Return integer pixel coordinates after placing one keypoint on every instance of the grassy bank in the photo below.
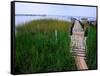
(39, 50)
(44, 25)
(92, 47)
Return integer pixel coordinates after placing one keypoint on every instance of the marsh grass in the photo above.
(44, 25)
(92, 47)
(37, 50)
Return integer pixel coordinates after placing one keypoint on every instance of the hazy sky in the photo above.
(49, 9)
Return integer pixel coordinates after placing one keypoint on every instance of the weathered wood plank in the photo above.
(78, 46)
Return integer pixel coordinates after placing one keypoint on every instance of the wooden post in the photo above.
(56, 34)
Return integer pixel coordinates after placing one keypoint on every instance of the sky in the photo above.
(50, 9)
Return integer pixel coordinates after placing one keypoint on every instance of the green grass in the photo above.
(92, 47)
(44, 25)
(37, 49)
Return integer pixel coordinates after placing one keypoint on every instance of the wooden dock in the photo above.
(78, 46)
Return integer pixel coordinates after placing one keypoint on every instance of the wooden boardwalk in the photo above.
(78, 46)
